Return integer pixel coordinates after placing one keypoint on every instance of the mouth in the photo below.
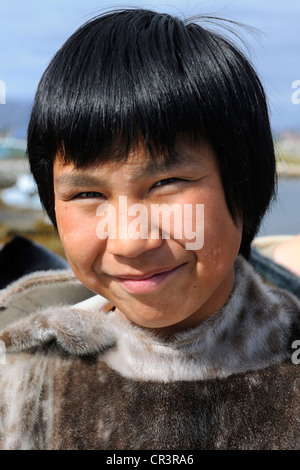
(147, 283)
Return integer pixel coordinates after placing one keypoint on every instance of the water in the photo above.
(284, 215)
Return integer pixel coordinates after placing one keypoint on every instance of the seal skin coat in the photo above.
(77, 376)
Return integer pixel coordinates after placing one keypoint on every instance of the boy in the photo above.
(182, 346)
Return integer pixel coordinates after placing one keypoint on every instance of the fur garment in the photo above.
(78, 376)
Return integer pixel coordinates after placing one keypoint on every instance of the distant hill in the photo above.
(14, 117)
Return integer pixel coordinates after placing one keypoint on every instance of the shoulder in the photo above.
(52, 308)
(255, 288)
(39, 290)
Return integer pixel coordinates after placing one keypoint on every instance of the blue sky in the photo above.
(31, 31)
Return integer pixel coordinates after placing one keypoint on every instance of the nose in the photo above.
(130, 229)
(131, 248)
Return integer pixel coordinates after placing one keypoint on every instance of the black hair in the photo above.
(137, 74)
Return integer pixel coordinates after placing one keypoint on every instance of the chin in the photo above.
(151, 321)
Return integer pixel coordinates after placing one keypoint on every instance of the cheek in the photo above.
(78, 237)
(222, 237)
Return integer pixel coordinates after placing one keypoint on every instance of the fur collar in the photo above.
(252, 331)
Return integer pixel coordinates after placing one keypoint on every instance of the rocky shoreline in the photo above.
(30, 222)
(10, 170)
(288, 169)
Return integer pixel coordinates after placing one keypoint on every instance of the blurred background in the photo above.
(32, 31)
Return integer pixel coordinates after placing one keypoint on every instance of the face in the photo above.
(152, 280)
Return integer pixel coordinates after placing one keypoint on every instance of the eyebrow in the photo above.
(155, 167)
(77, 180)
(177, 160)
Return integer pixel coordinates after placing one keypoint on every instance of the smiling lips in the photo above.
(146, 283)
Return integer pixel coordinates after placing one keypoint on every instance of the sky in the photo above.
(32, 31)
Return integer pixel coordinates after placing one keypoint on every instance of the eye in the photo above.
(166, 181)
(88, 195)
